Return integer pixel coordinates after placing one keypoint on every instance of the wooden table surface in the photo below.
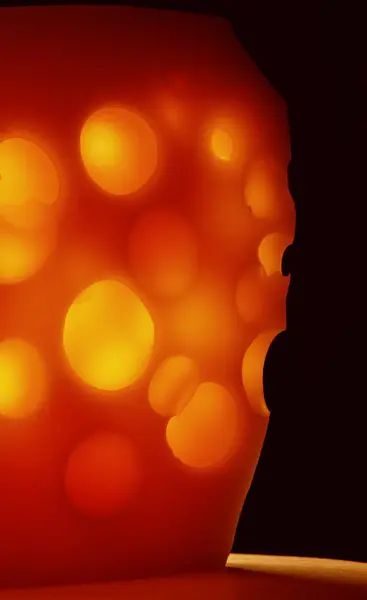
(246, 577)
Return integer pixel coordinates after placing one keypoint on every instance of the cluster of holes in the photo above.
(109, 334)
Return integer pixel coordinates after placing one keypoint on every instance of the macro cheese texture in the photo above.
(144, 211)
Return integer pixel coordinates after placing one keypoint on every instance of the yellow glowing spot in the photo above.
(119, 150)
(102, 475)
(271, 251)
(163, 253)
(266, 190)
(23, 253)
(108, 336)
(253, 369)
(28, 183)
(22, 379)
(205, 433)
(222, 144)
(172, 385)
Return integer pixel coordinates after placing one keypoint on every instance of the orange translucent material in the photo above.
(162, 253)
(271, 251)
(205, 432)
(119, 150)
(222, 144)
(253, 368)
(102, 475)
(173, 385)
(144, 212)
(29, 191)
(108, 335)
(23, 379)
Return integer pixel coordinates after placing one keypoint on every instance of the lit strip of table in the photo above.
(247, 577)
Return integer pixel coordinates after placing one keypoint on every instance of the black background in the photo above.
(309, 495)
